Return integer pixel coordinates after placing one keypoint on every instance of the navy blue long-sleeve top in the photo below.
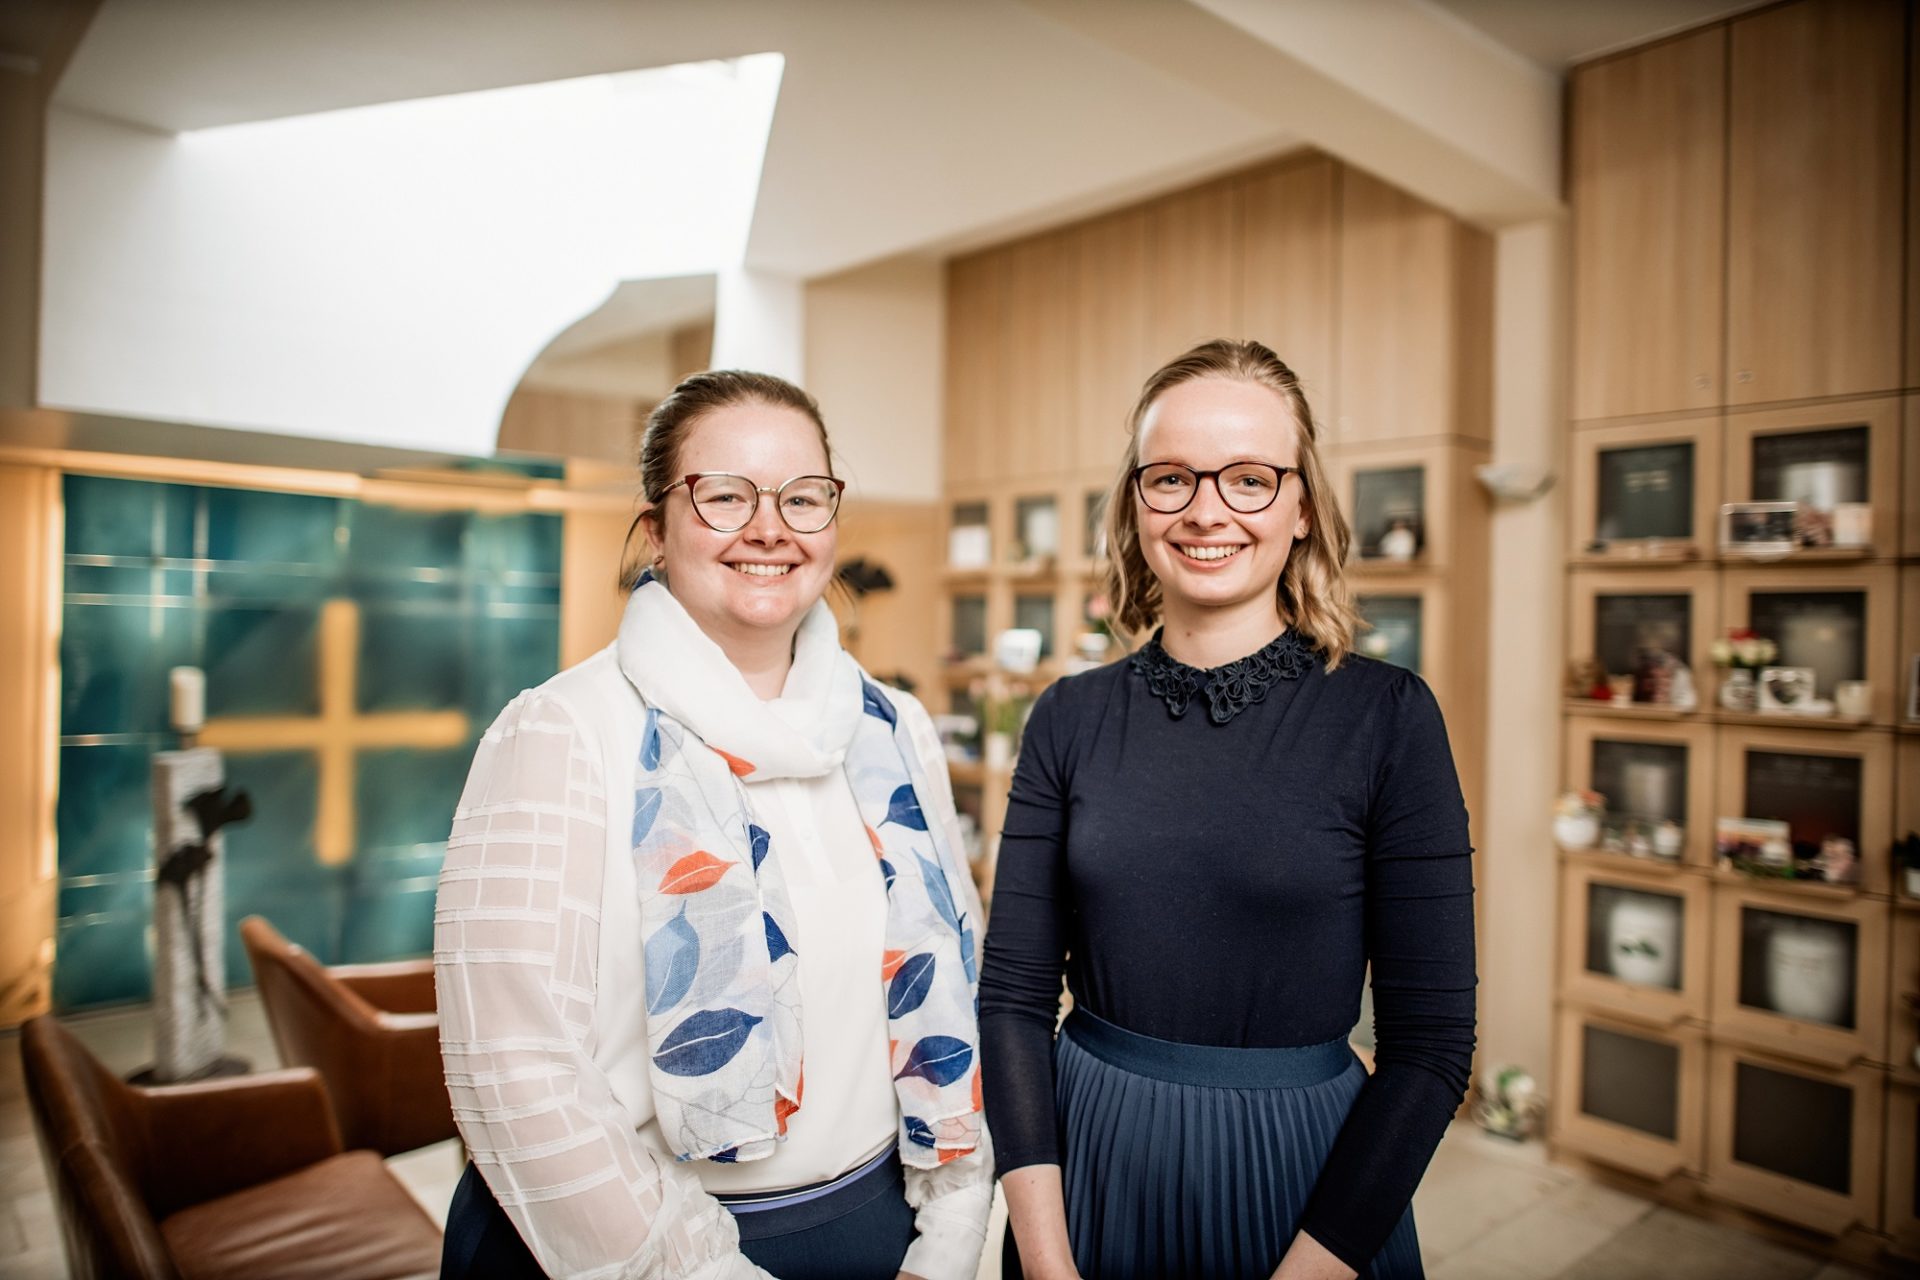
(1214, 857)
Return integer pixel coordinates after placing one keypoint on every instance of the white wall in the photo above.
(875, 348)
(1518, 899)
(386, 273)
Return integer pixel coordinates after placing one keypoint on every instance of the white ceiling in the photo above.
(1556, 34)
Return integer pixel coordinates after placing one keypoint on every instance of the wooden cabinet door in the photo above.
(1113, 357)
(1286, 251)
(1195, 281)
(1647, 179)
(976, 364)
(1037, 435)
(1814, 200)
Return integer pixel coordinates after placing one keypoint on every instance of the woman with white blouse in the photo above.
(706, 953)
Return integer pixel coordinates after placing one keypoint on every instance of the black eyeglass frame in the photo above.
(687, 482)
(1280, 477)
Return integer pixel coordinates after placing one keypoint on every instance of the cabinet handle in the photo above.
(1745, 375)
(1701, 382)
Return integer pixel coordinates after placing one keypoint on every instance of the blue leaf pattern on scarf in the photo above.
(911, 982)
(904, 808)
(650, 741)
(705, 1042)
(966, 952)
(886, 874)
(646, 807)
(876, 704)
(673, 958)
(760, 842)
(730, 1156)
(938, 1059)
(919, 1132)
(777, 944)
(941, 892)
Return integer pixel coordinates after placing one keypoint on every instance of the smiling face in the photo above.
(1209, 558)
(759, 580)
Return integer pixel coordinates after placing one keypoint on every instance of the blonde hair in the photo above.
(1313, 594)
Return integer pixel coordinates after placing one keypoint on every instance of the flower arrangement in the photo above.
(1744, 649)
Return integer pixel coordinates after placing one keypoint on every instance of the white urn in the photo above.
(1643, 940)
(1807, 970)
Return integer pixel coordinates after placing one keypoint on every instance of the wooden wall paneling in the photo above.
(1589, 444)
(1874, 751)
(1287, 258)
(976, 395)
(1902, 1217)
(1815, 191)
(1695, 736)
(1621, 1145)
(1903, 991)
(1195, 271)
(1912, 378)
(1819, 1043)
(1880, 416)
(31, 530)
(893, 632)
(1828, 1212)
(1110, 326)
(1634, 996)
(1907, 659)
(1647, 181)
(1395, 314)
(1910, 451)
(1470, 339)
(1906, 805)
(1039, 433)
(1880, 585)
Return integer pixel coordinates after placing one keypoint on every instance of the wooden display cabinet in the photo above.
(1646, 492)
(1821, 782)
(1794, 1141)
(1636, 943)
(1616, 611)
(1846, 452)
(1836, 619)
(1903, 991)
(1427, 486)
(1906, 809)
(1901, 1217)
(1648, 769)
(1799, 976)
(1630, 1095)
(1409, 616)
(1910, 449)
(1907, 656)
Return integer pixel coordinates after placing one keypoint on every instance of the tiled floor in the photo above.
(1488, 1209)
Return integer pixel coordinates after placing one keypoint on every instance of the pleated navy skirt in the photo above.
(1193, 1162)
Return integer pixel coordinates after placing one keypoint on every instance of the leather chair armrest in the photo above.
(219, 1136)
(405, 986)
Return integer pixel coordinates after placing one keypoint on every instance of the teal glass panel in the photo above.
(275, 845)
(105, 815)
(510, 654)
(294, 584)
(130, 893)
(128, 582)
(263, 660)
(405, 797)
(113, 666)
(101, 960)
(306, 903)
(386, 539)
(389, 907)
(107, 517)
(513, 544)
(534, 468)
(273, 528)
(413, 658)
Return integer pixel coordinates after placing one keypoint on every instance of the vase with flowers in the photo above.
(1740, 654)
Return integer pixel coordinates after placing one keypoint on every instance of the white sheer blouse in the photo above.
(543, 1029)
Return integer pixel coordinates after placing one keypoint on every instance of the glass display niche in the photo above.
(1801, 967)
(1630, 1081)
(1645, 493)
(1624, 626)
(1396, 634)
(1636, 936)
(1823, 630)
(1794, 1125)
(1815, 795)
(1389, 512)
(1646, 781)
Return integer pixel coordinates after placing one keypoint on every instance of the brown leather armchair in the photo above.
(369, 1030)
(223, 1178)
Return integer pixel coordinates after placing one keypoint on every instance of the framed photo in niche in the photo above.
(1389, 512)
(1644, 492)
(1761, 530)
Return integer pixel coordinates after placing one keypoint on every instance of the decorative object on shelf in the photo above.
(1006, 715)
(1669, 840)
(1643, 939)
(1620, 688)
(1786, 689)
(970, 538)
(1853, 699)
(1682, 695)
(1400, 541)
(1906, 856)
(1853, 524)
(1807, 970)
(1508, 1103)
(1839, 861)
(1576, 819)
(1741, 654)
(1737, 691)
(1757, 846)
(1036, 529)
(1017, 650)
(1758, 530)
(1586, 678)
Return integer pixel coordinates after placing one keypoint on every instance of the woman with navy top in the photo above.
(705, 952)
(1213, 838)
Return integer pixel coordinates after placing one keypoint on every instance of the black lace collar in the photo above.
(1230, 689)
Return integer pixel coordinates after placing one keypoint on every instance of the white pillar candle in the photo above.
(189, 698)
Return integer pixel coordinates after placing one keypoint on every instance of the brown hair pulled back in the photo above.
(673, 418)
(1313, 592)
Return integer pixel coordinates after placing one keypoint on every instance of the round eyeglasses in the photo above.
(726, 503)
(1247, 487)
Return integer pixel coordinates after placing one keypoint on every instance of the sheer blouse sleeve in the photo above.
(516, 943)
